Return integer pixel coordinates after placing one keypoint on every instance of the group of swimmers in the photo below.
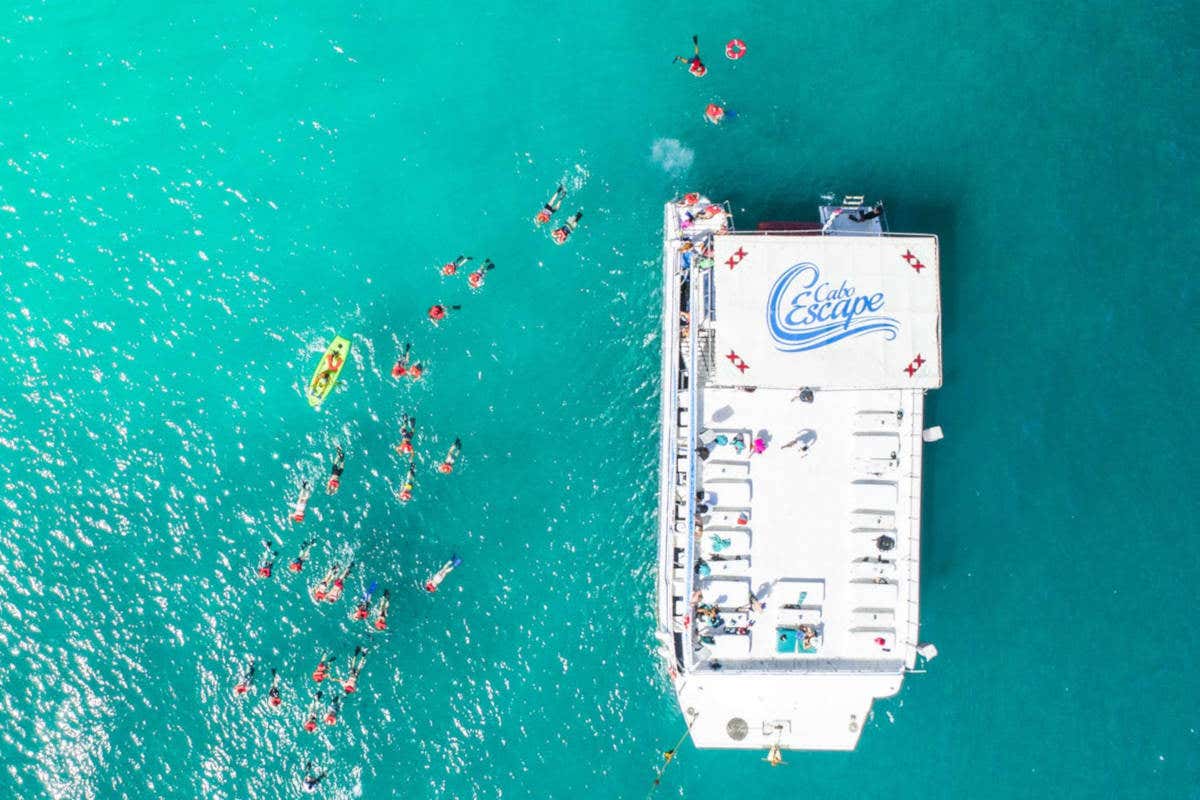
(563, 232)
(734, 50)
(408, 429)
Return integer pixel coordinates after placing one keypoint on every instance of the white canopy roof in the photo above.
(830, 312)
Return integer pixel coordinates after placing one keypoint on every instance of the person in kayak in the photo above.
(363, 609)
(551, 207)
(437, 312)
(406, 491)
(314, 709)
(321, 590)
(475, 279)
(447, 466)
(335, 708)
(301, 502)
(273, 696)
(335, 476)
(297, 564)
(312, 779)
(322, 670)
(452, 267)
(381, 613)
(694, 64)
(246, 681)
(436, 579)
(350, 685)
(333, 362)
(268, 560)
(339, 584)
(408, 427)
(560, 234)
(401, 367)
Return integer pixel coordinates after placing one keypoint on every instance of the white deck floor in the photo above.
(809, 549)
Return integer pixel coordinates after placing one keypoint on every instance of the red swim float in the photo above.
(735, 49)
(714, 113)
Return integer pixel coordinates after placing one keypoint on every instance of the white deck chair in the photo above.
(729, 645)
(730, 493)
(788, 591)
(725, 592)
(730, 567)
(738, 538)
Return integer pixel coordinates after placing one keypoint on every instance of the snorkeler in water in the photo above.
(364, 605)
(322, 670)
(339, 584)
(321, 590)
(475, 279)
(306, 547)
(314, 709)
(452, 267)
(400, 369)
(552, 206)
(273, 696)
(435, 580)
(335, 477)
(312, 779)
(560, 234)
(694, 64)
(246, 681)
(406, 491)
(301, 502)
(381, 613)
(335, 708)
(437, 312)
(447, 466)
(268, 560)
(408, 426)
(350, 685)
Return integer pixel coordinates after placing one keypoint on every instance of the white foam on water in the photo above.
(672, 155)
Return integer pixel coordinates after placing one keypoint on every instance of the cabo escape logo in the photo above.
(804, 313)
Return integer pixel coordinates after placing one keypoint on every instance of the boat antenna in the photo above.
(669, 755)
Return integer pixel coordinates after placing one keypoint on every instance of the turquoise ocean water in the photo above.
(196, 200)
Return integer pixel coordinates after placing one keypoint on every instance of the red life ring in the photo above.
(735, 49)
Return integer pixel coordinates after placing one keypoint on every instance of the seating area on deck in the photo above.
(809, 529)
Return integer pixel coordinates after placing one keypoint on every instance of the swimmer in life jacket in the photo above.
(406, 491)
(416, 371)
(560, 234)
(339, 584)
(273, 696)
(335, 476)
(475, 279)
(436, 579)
(694, 64)
(301, 502)
(865, 216)
(363, 609)
(312, 779)
(321, 590)
(331, 716)
(268, 560)
(452, 267)
(447, 466)
(437, 312)
(297, 564)
(552, 206)
(408, 427)
(314, 708)
(401, 367)
(350, 685)
(322, 670)
(380, 622)
(246, 681)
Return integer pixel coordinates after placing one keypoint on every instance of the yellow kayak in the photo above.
(328, 370)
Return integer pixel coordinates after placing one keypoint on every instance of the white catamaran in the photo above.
(795, 362)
